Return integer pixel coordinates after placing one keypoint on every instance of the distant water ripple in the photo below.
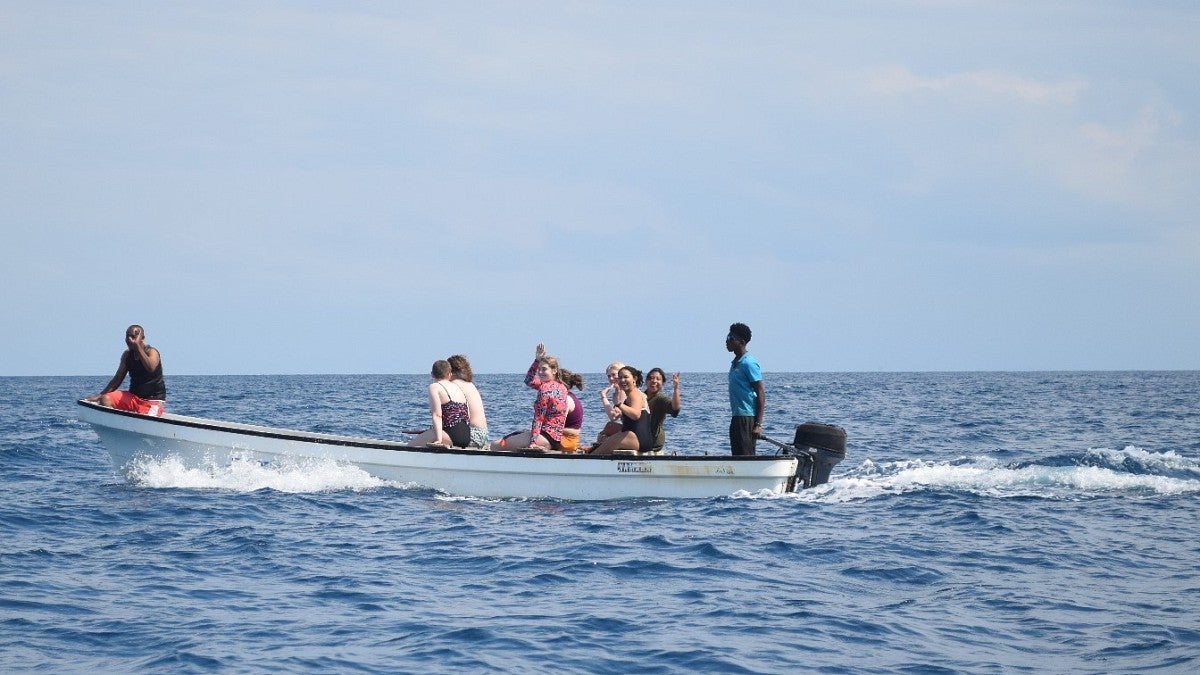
(983, 522)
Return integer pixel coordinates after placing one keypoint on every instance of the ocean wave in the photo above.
(248, 475)
(1135, 460)
(1097, 472)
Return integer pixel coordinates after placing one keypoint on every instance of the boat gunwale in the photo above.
(279, 433)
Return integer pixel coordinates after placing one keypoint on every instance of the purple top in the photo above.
(575, 417)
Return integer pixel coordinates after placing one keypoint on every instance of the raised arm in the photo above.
(675, 394)
(612, 410)
(531, 378)
(143, 352)
(609, 407)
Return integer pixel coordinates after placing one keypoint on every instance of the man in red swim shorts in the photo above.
(147, 393)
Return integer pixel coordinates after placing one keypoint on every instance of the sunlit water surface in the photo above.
(982, 522)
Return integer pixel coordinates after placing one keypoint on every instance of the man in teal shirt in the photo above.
(747, 399)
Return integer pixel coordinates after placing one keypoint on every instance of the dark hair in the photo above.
(461, 367)
(440, 370)
(570, 379)
(637, 374)
(740, 331)
(659, 371)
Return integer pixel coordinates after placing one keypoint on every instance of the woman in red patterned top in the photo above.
(549, 410)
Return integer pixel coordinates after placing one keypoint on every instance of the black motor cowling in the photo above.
(824, 445)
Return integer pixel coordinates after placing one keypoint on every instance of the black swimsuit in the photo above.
(640, 428)
(455, 421)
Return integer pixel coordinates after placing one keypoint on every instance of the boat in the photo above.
(198, 441)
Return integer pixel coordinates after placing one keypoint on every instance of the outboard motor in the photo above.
(824, 445)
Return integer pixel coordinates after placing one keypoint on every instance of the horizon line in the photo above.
(692, 372)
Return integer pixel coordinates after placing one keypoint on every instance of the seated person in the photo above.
(574, 424)
(448, 407)
(549, 409)
(660, 405)
(460, 369)
(612, 422)
(147, 393)
(635, 417)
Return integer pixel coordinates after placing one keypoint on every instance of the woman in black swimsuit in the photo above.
(635, 433)
(448, 407)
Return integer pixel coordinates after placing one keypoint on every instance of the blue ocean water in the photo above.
(982, 522)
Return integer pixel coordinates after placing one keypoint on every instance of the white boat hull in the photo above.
(460, 472)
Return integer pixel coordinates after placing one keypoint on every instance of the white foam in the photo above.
(868, 480)
(246, 475)
(985, 476)
(1153, 462)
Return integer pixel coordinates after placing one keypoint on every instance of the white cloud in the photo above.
(1147, 164)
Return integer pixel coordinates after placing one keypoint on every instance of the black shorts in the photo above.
(554, 445)
(741, 435)
(460, 434)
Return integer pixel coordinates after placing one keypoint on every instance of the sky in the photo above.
(365, 187)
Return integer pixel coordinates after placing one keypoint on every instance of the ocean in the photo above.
(981, 523)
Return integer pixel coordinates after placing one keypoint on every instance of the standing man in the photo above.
(147, 393)
(747, 399)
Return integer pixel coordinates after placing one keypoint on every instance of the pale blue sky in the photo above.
(347, 187)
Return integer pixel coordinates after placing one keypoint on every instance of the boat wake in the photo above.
(1096, 473)
(248, 475)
